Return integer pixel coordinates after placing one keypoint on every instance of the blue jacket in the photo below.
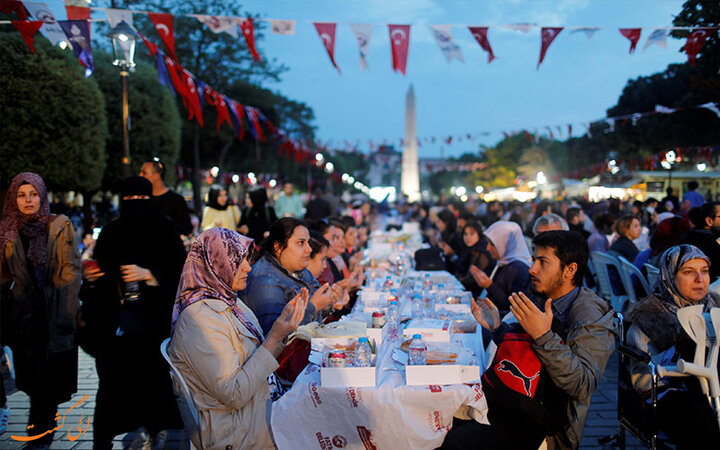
(270, 287)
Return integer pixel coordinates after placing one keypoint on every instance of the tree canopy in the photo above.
(53, 118)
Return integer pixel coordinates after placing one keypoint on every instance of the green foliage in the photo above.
(154, 118)
(53, 118)
(702, 13)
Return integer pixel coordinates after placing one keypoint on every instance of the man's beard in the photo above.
(554, 285)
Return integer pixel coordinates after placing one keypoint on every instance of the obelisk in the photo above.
(410, 177)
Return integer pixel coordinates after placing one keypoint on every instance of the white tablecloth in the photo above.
(391, 415)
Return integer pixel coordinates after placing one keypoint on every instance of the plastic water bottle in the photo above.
(393, 319)
(388, 282)
(417, 307)
(427, 284)
(418, 351)
(363, 354)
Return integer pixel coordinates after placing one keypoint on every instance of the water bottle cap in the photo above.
(388, 277)
(441, 285)
(393, 302)
(362, 339)
(417, 336)
(416, 296)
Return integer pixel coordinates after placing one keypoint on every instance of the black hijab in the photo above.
(213, 195)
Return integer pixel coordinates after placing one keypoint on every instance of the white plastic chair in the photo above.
(629, 269)
(186, 405)
(653, 273)
(602, 261)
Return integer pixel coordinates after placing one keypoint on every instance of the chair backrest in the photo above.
(628, 270)
(186, 405)
(602, 261)
(653, 273)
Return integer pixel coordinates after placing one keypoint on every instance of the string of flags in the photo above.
(399, 34)
(194, 93)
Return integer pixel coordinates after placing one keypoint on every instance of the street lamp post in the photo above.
(670, 159)
(123, 38)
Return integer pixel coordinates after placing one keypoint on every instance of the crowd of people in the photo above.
(231, 287)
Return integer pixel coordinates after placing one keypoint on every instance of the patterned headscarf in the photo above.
(33, 226)
(509, 241)
(210, 268)
(670, 263)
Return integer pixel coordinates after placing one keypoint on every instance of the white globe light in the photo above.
(479, 189)
(272, 183)
(319, 157)
(460, 191)
(235, 178)
(671, 156)
(351, 180)
(701, 167)
(329, 167)
(345, 177)
(214, 171)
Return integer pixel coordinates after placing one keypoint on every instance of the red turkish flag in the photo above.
(178, 84)
(248, 31)
(400, 44)
(13, 6)
(695, 42)
(193, 100)
(633, 34)
(547, 36)
(223, 115)
(164, 24)
(239, 113)
(326, 31)
(480, 35)
(152, 48)
(75, 11)
(28, 29)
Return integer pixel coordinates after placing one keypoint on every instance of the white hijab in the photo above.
(509, 242)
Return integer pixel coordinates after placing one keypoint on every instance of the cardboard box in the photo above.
(347, 376)
(432, 330)
(441, 375)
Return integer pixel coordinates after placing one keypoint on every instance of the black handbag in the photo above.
(430, 259)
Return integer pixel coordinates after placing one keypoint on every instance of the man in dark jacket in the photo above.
(167, 201)
(706, 229)
(317, 207)
(573, 338)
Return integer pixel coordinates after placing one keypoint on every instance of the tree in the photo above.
(154, 119)
(53, 118)
(702, 13)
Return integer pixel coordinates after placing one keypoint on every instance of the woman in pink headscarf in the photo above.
(40, 280)
(219, 347)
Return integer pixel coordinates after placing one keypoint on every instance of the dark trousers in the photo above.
(469, 434)
(42, 419)
(688, 420)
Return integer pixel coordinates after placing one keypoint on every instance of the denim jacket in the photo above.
(270, 287)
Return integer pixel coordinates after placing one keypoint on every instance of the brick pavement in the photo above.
(601, 418)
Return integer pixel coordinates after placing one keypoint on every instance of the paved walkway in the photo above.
(601, 418)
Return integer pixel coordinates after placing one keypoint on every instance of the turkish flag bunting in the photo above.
(256, 129)
(28, 29)
(152, 48)
(223, 115)
(178, 84)
(326, 31)
(248, 30)
(547, 36)
(237, 112)
(193, 103)
(480, 35)
(13, 6)
(400, 44)
(633, 34)
(695, 42)
(164, 24)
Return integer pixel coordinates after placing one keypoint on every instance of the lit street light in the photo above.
(123, 38)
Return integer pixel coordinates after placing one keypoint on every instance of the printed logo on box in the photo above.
(324, 441)
(339, 441)
(435, 388)
(366, 438)
(354, 396)
(314, 395)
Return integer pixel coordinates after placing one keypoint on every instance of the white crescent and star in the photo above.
(162, 28)
(398, 36)
(326, 39)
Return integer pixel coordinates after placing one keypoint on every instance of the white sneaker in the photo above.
(4, 418)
